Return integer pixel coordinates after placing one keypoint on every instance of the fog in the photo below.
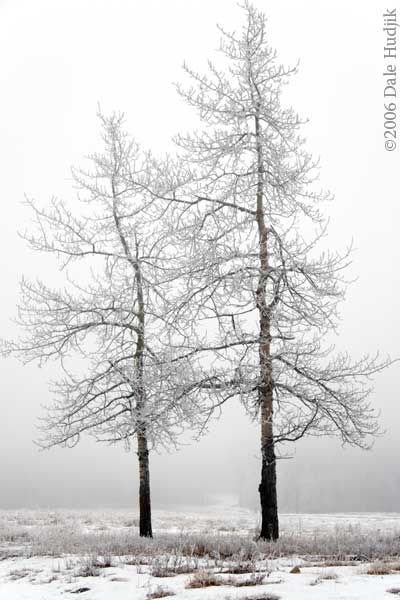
(58, 61)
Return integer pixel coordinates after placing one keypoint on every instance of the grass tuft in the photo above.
(325, 576)
(203, 579)
(379, 568)
(159, 592)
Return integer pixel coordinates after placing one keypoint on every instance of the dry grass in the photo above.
(325, 576)
(56, 541)
(16, 574)
(131, 523)
(87, 567)
(159, 592)
(203, 579)
(15, 535)
(328, 576)
(174, 564)
(103, 562)
(379, 568)
(331, 563)
(382, 568)
(55, 534)
(240, 567)
(254, 579)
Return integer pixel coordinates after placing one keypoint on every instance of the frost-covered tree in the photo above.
(110, 326)
(262, 296)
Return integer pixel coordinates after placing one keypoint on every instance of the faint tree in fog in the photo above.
(262, 298)
(110, 326)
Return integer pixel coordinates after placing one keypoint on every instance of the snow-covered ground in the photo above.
(97, 555)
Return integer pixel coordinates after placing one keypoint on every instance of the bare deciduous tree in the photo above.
(262, 297)
(110, 327)
(205, 282)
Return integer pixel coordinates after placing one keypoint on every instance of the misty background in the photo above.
(58, 60)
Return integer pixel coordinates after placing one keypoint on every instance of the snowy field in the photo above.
(202, 553)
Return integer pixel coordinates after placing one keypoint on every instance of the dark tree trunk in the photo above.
(145, 529)
(267, 487)
(268, 496)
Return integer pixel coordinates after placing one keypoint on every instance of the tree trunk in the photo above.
(145, 529)
(267, 487)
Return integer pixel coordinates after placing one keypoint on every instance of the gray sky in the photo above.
(58, 60)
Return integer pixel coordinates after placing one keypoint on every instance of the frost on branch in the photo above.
(263, 291)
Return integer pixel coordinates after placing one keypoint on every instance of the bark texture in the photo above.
(267, 487)
(145, 529)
